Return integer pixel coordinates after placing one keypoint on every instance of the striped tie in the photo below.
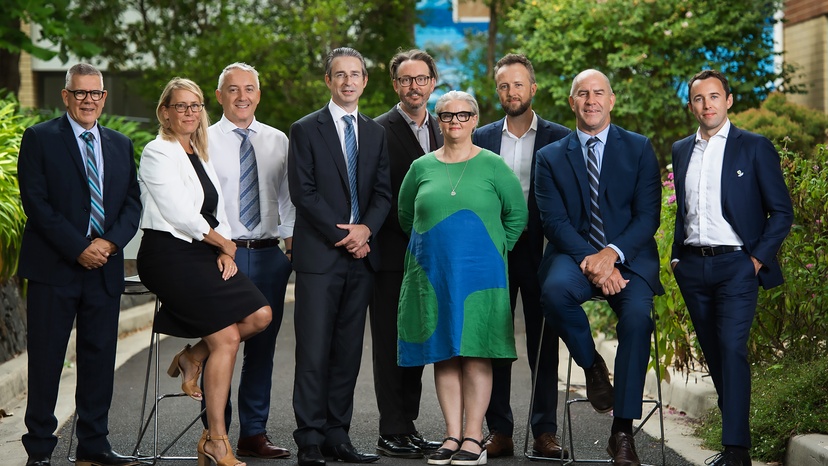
(96, 218)
(353, 151)
(249, 211)
(596, 225)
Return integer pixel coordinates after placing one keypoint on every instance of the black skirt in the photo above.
(195, 300)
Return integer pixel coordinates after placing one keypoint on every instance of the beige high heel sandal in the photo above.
(190, 387)
(227, 460)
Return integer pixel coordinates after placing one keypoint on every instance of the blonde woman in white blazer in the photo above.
(186, 259)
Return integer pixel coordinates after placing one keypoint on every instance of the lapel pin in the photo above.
(739, 173)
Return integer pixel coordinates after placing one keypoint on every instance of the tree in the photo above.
(66, 25)
(650, 49)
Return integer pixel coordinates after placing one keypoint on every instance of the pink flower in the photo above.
(671, 199)
(809, 266)
(670, 176)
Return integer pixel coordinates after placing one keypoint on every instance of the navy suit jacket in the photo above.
(755, 200)
(629, 197)
(490, 136)
(55, 194)
(318, 180)
(403, 148)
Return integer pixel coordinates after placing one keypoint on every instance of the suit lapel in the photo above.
(576, 159)
(328, 133)
(684, 151)
(72, 145)
(399, 126)
(614, 151)
(435, 129)
(107, 156)
(732, 150)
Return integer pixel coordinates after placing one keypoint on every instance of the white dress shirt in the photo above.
(271, 147)
(96, 143)
(338, 114)
(705, 224)
(517, 153)
(598, 150)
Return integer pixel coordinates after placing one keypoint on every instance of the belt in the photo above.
(256, 243)
(708, 251)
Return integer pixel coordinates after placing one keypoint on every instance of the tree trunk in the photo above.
(10, 61)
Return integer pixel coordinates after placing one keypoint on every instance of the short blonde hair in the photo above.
(199, 138)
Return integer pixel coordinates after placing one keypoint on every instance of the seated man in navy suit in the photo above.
(599, 195)
(733, 213)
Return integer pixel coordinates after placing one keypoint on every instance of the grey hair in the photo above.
(343, 52)
(238, 66)
(456, 95)
(82, 69)
(584, 74)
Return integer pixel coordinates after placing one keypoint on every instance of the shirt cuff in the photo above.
(621, 258)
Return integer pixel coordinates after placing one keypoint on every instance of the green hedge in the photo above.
(13, 121)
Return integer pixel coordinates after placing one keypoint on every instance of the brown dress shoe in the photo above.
(622, 449)
(259, 446)
(598, 385)
(500, 445)
(547, 445)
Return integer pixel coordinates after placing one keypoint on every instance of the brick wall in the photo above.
(797, 11)
(806, 46)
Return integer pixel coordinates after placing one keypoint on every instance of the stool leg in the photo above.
(526, 452)
(658, 386)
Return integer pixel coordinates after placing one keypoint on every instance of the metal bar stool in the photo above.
(567, 425)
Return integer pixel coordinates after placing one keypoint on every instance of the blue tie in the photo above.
(96, 218)
(596, 225)
(353, 152)
(249, 210)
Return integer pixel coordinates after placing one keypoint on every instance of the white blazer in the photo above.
(172, 194)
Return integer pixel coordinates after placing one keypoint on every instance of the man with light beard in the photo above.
(411, 132)
(516, 138)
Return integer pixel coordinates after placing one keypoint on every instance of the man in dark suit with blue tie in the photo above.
(411, 132)
(599, 195)
(733, 212)
(80, 193)
(339, 182)
(517, 138)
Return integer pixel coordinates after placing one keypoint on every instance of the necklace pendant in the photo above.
(453, 193)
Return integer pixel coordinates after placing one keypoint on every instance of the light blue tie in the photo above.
(353, 152)
(596, 224)
(249, 211)
(93, 177)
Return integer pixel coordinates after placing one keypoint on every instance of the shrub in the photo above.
(798, 128)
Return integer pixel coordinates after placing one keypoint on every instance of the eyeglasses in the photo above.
(462, 117)
(182, 107)
(421, 80)
(80, 94)
(342, 76)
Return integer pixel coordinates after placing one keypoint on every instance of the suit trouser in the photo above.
(329, 319)
(523, 277)
(721, 294)
(398, 389)
(565, 288)
(51, 311)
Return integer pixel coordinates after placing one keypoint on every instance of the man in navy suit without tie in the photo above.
(80, 193)
(517, 138)
(339, 183)
(599, 195)
(733, 212)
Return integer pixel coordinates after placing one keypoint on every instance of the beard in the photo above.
(516, 111)
(412, 105)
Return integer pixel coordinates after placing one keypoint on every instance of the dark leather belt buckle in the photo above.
(707, 251)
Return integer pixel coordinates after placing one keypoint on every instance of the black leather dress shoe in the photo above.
(426, 446)
(622, 450)
(104, 458)
(347, 453)
(310, 456)
(729, 458)
(599, 387)
(398, 446)
(39, 461)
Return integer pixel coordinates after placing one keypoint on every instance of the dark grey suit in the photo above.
(332, 288)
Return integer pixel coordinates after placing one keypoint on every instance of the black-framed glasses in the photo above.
(462, 117)
(80, 94)
(182, 107)
(421, 80)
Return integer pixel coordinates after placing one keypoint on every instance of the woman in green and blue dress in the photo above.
(464, 210)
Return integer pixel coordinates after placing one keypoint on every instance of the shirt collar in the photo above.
(228, 126)
(338, 112)
(533, 126)
(410, 120)
(723, 132)
(78, 129)
(584, 137)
